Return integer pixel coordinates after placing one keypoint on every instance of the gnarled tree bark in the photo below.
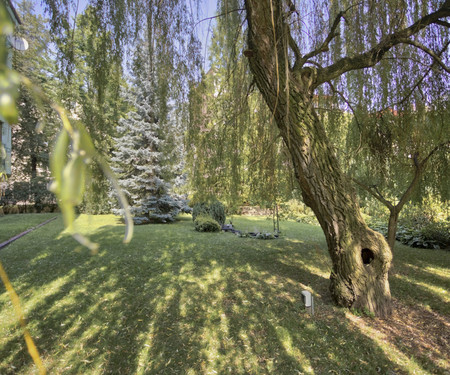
(361, 257)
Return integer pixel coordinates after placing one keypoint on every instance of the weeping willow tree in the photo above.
(92, 92)
(233, 152)
(288, 76)
(218, 109)
(389, 122)
(397, 154)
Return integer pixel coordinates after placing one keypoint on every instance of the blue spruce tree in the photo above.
(140, 159)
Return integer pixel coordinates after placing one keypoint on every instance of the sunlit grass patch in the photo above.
(175, 301)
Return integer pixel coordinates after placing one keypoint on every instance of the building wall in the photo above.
(6, 141)
(5, 127)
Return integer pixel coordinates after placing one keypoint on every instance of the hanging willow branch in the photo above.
(217, 16)
(419, 81)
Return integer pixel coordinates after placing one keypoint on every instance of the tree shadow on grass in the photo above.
(183, 303)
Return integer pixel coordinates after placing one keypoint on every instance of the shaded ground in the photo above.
(417, 330)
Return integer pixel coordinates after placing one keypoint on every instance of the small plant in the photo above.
(205, 223)
(243, 234)
(426, 236)
(257, 235)
(264, 236)
(439, 233)
(361, 313)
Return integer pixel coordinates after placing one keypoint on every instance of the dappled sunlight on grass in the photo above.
(442, 294)
(437, 271)
(286, 340)
(175, 301)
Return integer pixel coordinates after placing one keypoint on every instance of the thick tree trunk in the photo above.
(361, 257)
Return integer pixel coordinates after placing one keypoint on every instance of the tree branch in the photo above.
(443, 23)
(374, 55)
(295, 49)
(373, 190)
(324, 46)
(430, 52)
(430, 154)
(217, 16)
(419, 81)
(419, 168)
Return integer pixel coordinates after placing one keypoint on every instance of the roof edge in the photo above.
(14, 15)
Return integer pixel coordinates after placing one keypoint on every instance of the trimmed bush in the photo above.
(214, 209)
(205, 223)
(199, 209)
(217, 212)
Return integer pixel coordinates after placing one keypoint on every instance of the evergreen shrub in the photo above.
(205, 223)
(199, 209)
(159, 209)
(217, 212)
(215, 209)
(147, 158)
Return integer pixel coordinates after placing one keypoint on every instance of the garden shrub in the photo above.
(12, 210)
(425, 235)
(215, 209)
(27, 197)
(295, 209)
(438, 233)
(217, 212)
(205, 223)
(199, 209)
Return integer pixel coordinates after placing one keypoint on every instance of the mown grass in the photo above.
(175, 301)
(11, 225)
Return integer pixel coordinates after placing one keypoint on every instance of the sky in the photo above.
(205, 28)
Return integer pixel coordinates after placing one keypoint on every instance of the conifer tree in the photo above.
(140, 157)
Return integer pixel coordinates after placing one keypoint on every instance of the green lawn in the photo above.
(175, 301)
(11, 225)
